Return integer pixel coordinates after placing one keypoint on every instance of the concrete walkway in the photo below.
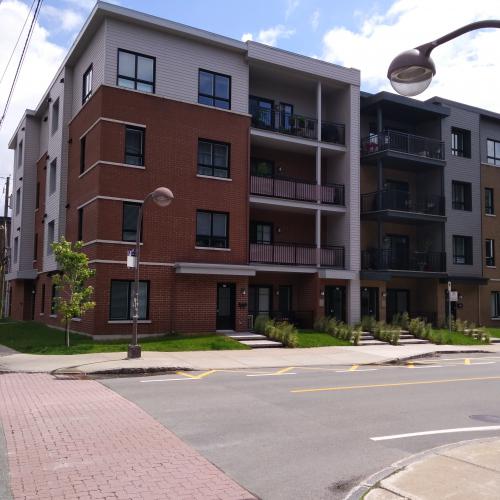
(209, 360)
(465, 471)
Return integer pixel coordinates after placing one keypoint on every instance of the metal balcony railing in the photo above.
(403, 143)
(281, 121)
(293, 189)
(382, 259)
(394, 199)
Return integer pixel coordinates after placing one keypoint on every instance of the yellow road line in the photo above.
(184, 374)
(197, 377)
(283, 370)
(466, 361)
(206, 374)
(410, 364)
(353, 368)
(398, 384)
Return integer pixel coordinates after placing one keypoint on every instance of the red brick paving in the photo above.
(76, 439)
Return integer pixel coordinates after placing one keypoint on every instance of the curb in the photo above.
(365, 486)
(433, 354)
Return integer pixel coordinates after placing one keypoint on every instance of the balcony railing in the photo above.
(394, 199)
(296, 254)
(296, 125)
(381, 259)
(293, 189)
(403, 143)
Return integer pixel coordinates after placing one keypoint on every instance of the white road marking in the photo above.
(357, 371)
(166, 380)
(429, 366)
(440, 431)
(483, 363)
(270, 374)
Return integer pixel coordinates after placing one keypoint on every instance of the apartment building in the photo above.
(259, 146)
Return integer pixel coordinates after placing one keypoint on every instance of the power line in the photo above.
(21, 60)
(17, 42)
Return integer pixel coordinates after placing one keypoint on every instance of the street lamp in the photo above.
(162, 196)
(411, 72)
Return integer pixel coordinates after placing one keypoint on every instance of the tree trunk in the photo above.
(67, 332)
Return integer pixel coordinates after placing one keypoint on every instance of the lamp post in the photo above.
(162, 196)
(411, 72)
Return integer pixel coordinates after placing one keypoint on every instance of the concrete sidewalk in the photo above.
(464, 471)
(208, 360)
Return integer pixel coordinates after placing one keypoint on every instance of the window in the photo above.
(53, 300)
(134, 146)
(20, 154)
(214, 89)
(490, 253)
(87, 85)
(80, 224)
(54, 125)
(37, 195)
(129, 221)
(495, 304)
(261, 232)
(460, 142)
(35, 247)
(83, 145)
(42, 304)
(493, 151)
(121, 300)
(50, 236)
(136, 71)
(489, 206)
(52, 176)
(462, 250)
(213, 158)
(18, 201)
(212, 229)
(461, 195)
(16, 249)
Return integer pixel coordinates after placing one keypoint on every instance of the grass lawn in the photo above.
(494, 332)
(35, 338)
(443, 336)
(310, 338)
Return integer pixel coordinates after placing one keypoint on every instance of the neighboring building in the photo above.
(260, 147)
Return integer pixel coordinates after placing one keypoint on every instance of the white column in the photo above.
(318, 237)
(318, 108)
(353, 302)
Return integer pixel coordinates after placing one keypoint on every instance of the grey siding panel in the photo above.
(460, 222)
(177, 62)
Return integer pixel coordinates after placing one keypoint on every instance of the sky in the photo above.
(363, 34)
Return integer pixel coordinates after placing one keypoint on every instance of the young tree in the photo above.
(73, 297)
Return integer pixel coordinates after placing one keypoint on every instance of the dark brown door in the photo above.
(225, 306)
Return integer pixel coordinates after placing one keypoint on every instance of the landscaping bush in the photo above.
(321, 324)
(283, 332)
(368, 323)
(402, 320)
(387, 333)
(420, 329)
(259, 325)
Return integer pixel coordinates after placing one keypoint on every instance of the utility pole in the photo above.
(4, 257)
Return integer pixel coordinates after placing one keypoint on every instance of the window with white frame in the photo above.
(490, 253)
(54, 125)
(18, 201)
(16, 249)
(50, 236)
(52, 176)
(20, 154)
(87, 85)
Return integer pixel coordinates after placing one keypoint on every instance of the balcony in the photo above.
(400, 145)
(384, 260)
(296, 125)
(292, 254)
(298, 190)
(407, 206)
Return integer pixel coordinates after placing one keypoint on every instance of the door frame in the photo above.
(343, 289)
(376, 291)
(407, 301)
(232, 305)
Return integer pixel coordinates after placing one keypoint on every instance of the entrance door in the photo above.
(225, 306)
(369, 302)
(335, 302)
(399, 249)
(398, 302)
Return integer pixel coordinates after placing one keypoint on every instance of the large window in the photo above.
(20, 154)
(213, 158)
(50, 236)
(493, 151)
(83, 147)
(55, 116)
(214, 89)
(461, 195)
(16, 249)
(134, 145)
(462, 250)
(212, 229)
(18, 201)
(495, 304)
(52, 176)
(490, 253)
(121, 300)
(489, 204)
(80, 224)
(460, 142)
(37, 196)
(129, 222)
(261, 232)
(136, 71)
(87, 85)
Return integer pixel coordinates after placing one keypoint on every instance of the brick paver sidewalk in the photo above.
(76, 439)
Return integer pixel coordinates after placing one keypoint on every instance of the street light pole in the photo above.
(411, 72)
(162, 196)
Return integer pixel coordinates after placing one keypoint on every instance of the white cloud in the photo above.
(42, 61)
(468, 69)
(291, 7)
(66, 19)
(315, 20)
(270, 36)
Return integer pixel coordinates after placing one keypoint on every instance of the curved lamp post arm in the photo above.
(411, 72)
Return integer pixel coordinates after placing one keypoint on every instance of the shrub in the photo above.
(321, 324)
(419, 328)
(259, 324)
(386, 333)
(368, 323)
(402, 320)
(283, 332)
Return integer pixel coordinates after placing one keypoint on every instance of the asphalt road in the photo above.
(306, 433)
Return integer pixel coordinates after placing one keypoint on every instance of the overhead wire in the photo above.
(21, 60)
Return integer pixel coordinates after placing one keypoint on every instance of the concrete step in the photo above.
(371, 342)
(412, 341)
(255, 344)
(494, 340)
(367, 337)
(246, 336)
(406, 336)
